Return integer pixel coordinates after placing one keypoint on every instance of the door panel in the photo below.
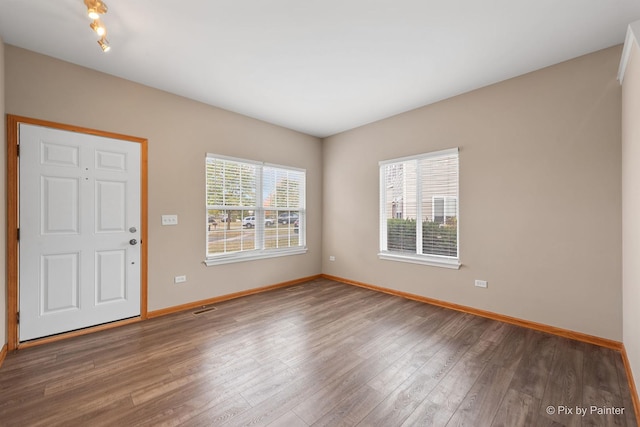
(79, 209)
(110, 276)
(111, 161)
(59, 283)
(110, 207)
(59, 218)
(59, 155)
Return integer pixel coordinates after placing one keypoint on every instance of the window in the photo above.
(419, 209)
(254, 210)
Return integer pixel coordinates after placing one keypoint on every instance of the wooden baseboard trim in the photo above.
(3, 354)
(215, 300)
(578, 336)
(632, 383)
(77, 333)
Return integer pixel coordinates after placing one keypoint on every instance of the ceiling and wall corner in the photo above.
(630, 41)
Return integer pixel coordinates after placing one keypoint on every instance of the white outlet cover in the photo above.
(481, 283)
(169, 219)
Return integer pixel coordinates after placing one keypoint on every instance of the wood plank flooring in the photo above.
(317, 354)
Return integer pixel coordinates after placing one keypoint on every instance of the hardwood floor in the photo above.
(320, 353)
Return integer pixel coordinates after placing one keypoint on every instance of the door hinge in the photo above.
(18, 234)
(18, 150)
(18, 317)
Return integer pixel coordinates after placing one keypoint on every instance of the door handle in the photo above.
(133, 242)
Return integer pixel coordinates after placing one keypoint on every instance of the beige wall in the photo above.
(631, 210)
(180, 132)
(540, 197)
(3, 263)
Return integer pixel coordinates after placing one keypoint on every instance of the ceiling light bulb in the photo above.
(98, 27)
(95, 8)
(104, 44)
(93, 14)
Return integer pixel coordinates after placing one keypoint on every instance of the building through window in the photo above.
(419, 209)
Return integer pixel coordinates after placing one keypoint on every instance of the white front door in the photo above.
(79, 230)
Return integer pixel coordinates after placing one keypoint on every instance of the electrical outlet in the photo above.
(481, 283)
(179, 279)
(332, 258)
(169, 219)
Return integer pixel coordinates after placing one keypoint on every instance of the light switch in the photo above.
(169, 219)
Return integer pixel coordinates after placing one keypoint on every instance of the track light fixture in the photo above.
(98, 27)
(96, 8)
(104, 44)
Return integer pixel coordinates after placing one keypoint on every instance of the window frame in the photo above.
(260, 251)
(418, 257)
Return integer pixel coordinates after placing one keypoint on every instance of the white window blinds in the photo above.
(253, 210)
(419, 208)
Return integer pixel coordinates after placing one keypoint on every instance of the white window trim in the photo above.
(431, 260)
(253, 255)
(418, 257)
(429, 155)
(256, 254)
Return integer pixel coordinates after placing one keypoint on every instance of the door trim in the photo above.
(13, 204)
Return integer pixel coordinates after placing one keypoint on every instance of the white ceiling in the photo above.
(319, 67)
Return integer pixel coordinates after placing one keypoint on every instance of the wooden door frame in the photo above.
(13, 204)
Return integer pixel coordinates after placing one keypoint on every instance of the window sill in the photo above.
(434, 261)
(253, 255)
